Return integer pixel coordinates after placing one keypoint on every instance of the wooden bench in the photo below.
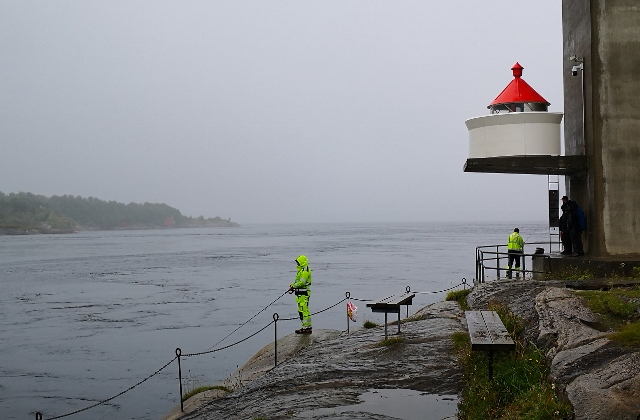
(488, 333)
(391, 304)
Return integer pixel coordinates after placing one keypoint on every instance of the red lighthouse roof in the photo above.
(518, 91)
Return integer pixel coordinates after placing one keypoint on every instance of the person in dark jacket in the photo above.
(565, 230)
(577, 226)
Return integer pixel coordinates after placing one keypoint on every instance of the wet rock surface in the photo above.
(332, 369)
(610, 391)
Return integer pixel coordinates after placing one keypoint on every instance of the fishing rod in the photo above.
(534, 231)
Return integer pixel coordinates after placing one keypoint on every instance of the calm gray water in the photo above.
(85, 316)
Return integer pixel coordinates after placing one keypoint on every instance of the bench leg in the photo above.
(385, 325)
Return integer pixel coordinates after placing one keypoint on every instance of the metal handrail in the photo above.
(497, 255)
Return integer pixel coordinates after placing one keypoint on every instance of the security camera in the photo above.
(574, 69)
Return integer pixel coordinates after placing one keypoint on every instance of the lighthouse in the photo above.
(519, 135)
(518, 124)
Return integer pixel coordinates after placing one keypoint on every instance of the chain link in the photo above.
(230, 345)
(117, 395)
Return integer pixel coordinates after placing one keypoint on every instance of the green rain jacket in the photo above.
(516, 242)
(303, 276)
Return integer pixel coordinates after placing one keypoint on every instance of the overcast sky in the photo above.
(271, 111)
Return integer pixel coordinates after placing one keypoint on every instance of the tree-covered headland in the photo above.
(30, 213)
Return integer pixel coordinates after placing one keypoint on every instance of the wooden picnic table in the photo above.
(391, 304)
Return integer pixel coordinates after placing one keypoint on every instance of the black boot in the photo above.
(304, 330)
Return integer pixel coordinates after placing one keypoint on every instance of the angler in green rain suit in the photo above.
(302, 288)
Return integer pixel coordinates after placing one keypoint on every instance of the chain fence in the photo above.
(179, 355)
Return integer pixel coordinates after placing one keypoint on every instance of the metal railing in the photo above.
(486, 255)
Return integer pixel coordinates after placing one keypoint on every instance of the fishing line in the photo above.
(262, 310)
(534, 231)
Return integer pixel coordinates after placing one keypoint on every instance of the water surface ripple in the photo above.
(85, 316)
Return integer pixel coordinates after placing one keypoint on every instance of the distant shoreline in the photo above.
(24, 231)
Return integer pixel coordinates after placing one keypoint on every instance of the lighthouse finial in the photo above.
(517, 70)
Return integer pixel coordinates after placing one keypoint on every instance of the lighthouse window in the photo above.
(536, 106)
(513, 107)
(519, 107)
(497, 109)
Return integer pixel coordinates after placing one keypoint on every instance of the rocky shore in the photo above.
(325, 375)
(600, 378)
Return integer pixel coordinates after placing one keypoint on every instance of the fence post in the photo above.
(498, 261)
(478, 266)
(406, 290)
(178, 353)
(275, 341)
(347, 295)
(38, 415)
(464, 283)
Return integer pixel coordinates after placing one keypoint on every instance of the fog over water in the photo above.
(329, 128)
(288, 111)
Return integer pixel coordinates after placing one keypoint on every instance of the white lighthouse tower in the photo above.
(518, 125)
(519, 136)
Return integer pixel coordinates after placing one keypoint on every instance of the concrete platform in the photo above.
(599, 270)
(537, 165)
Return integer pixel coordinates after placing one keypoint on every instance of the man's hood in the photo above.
(302, 261)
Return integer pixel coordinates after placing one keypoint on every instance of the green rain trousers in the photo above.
(303, 310)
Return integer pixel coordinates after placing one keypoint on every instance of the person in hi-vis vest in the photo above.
(515, 247)
(302, 288)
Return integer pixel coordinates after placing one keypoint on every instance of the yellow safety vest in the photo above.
(515, 242)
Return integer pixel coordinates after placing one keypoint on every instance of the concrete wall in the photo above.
(607, 34)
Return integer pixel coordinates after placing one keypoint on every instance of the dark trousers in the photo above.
(576, 241)
(566, 241)
(514, 256)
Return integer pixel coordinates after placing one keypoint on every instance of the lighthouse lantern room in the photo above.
(518, 125)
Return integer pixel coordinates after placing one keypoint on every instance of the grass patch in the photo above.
(459, 296)
(509, 319)
(618, 310)
(460, 341)
(369, 324)
(391, 342)
(519, 389)
(628, 335)
(203, 389)
(616, 307)
(609, 304)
